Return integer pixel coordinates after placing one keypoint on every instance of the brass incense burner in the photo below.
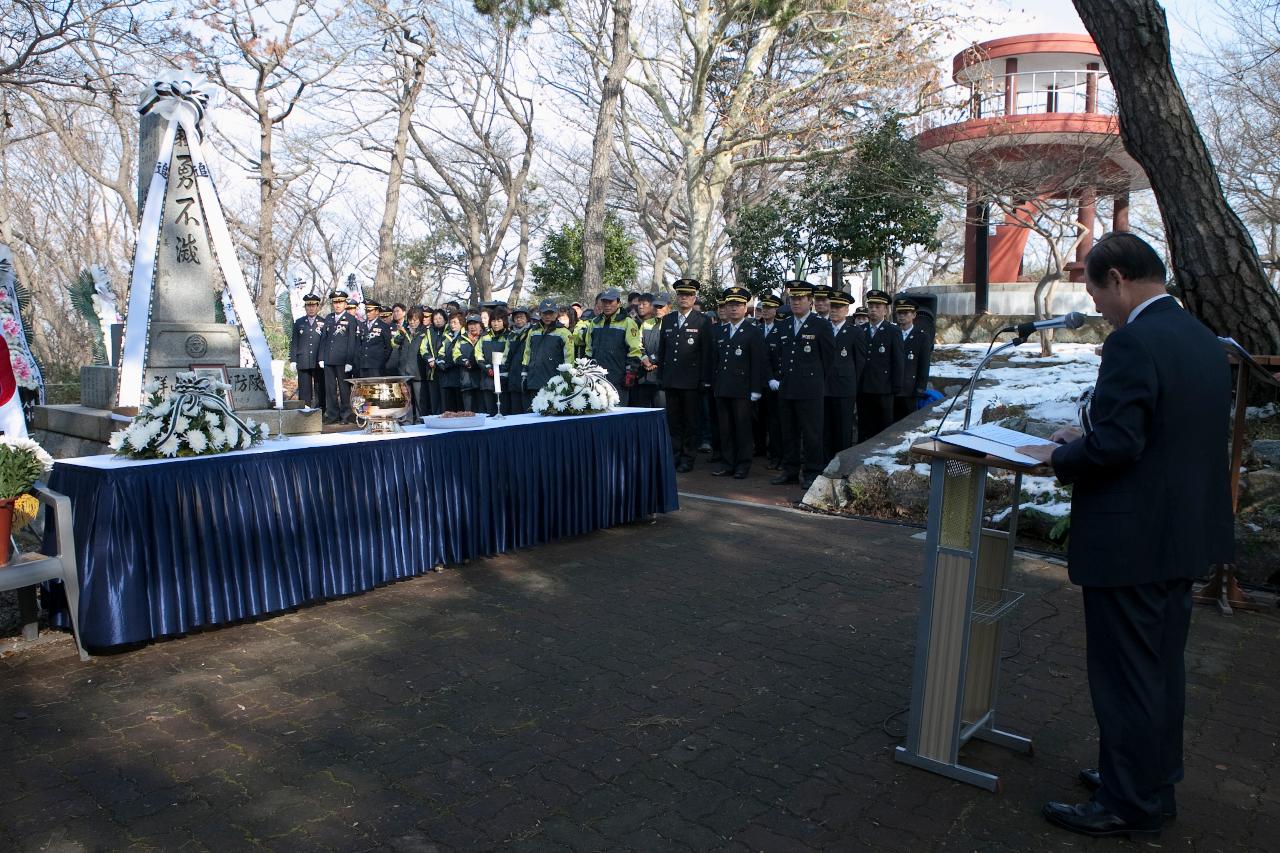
(381, 402)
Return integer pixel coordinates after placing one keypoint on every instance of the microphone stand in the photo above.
(973, 381)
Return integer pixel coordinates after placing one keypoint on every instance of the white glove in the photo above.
(321, 363)
(755, 395)
(294, 365)
(774, 385)
(348, 368)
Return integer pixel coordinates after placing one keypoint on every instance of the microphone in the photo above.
(1074, 320)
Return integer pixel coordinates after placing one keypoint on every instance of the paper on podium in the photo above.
(995, 441)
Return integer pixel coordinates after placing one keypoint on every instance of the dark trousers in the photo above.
(736, 440)
(684, 408)
(802, 437)
(366, 372)
(435, 399)
(903, 406)
(520, 402)
(311, 386)
(475, 400)
(875, 413)
(838, 415)
(421, 405)
(645, 396)
(337, 393)
(1136, 636)
(451, 399)
(768, 428)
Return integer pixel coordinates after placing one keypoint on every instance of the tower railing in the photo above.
(1018, 94)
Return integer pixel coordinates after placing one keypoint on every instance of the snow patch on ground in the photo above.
(1042, 389)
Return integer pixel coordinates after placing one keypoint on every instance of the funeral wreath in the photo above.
(581, 388)
(193, 419)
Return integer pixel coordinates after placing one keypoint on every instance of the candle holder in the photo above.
(279, 436)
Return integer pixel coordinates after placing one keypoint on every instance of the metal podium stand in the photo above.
(963, 603)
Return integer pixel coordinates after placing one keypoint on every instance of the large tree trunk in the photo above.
(266, 216)
(395, 173)
(601, 151)
(1215, 264)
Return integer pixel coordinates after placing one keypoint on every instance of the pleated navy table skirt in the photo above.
(166, 547)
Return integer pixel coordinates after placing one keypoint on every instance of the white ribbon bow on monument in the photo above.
(183, 102)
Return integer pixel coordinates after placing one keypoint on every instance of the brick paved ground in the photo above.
(635, 689)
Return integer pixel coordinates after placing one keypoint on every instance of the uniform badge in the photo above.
(690, 342)
(882, 348)
(808, 348)
(844, 353)
(910, 356)
(738, 351)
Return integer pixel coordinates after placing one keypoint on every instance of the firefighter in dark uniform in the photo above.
(684, 369)
(337, 356)
(802, 356)
(374, 347)
(917, 350)
(547, 347)
(768, 421)
(822, 294)
(882, 376)
(841, 403)
(304, 352)
(613, 342)
(738, 378)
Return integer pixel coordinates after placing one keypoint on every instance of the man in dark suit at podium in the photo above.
(1150, 511)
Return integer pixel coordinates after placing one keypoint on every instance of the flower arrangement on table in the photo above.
(581, 388)
(191, 420)
(22, 462)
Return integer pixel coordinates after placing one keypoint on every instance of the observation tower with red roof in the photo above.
(1029, 118)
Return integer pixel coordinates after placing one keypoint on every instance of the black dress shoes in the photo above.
(722, 471)
(807, 482)
(773, 466)
(1095, 821)
(1092, 779)
(784, 479)
(741, 474)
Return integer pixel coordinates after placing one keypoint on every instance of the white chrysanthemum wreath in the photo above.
(581, 388)
(192, 420)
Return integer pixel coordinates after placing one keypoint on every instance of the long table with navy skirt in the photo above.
(166, 547)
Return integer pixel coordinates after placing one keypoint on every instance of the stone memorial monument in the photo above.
(183, 263)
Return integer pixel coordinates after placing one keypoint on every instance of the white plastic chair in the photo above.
(27, 570)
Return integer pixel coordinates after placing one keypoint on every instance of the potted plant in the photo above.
(22, 462)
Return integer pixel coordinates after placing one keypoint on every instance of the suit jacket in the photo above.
(1150, 496)
(847, 363)
(374, 345)
(304, 345)
(685, 354)
(917, 350)
(741, 363)
(801, 361)
(883, 373)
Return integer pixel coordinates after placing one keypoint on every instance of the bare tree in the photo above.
(267, 56)
(474, 172)
(722, 78)
(39, 39)
(602, 149)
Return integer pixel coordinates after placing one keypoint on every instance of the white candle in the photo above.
(277, 382)
(497, 374)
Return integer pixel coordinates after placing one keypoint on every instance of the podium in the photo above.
(964, 601)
